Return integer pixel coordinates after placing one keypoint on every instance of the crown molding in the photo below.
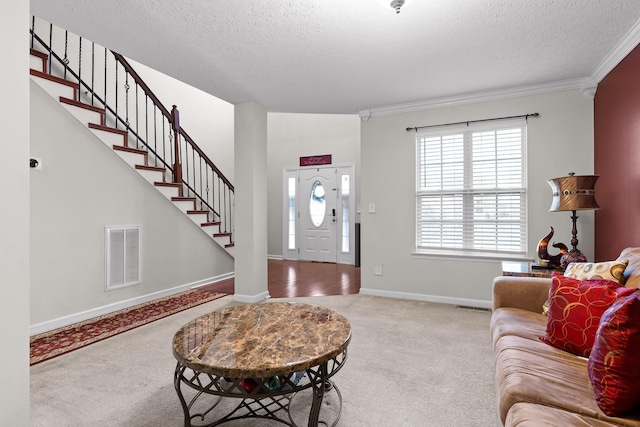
(564, 85)
(618, 53)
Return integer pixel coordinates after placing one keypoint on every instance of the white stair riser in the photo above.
(151, 176)
(110, 138)
(211, 229)
(132, 159)
(56, 90)
(222, 241)
(168, 192)
(36, 63)
(199, 218)
(83, 115)
(184, 206)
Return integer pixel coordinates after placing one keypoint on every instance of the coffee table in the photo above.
(264, 355)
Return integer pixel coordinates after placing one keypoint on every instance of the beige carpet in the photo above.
(410, 363)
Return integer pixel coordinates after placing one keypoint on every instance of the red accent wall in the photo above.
(617, 158)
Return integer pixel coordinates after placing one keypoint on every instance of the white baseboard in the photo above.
(60, 322)
(276, 257)
(429, 298)
(251, 298)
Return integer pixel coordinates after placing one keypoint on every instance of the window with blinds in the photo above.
(471, 190)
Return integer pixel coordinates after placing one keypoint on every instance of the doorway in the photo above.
(318, 220)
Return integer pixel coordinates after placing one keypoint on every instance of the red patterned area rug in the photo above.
(59, 341)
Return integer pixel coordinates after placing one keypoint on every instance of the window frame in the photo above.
(469, 248)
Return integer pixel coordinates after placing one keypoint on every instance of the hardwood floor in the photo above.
(289, 279)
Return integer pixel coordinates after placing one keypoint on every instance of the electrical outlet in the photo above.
(377, 269)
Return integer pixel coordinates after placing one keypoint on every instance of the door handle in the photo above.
(333, 212)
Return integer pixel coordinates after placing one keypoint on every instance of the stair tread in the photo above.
(129, 149)
(108, 129)
(183, 199)
(39, 54)
(151, 168)
(221, 234)
(197, 211)
(81, 105)
(206, 224)
(167, 184)
(47, 76)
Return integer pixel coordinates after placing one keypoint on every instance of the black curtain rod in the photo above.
(526, 116)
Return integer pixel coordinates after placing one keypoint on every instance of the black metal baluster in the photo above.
(79, 68)
(137, 111)
(116, 90)
(93, 68)
(50, 48)
(164, 141)
(126, 101)
(105, 83)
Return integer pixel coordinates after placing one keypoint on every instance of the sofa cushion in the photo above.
(533, 415)
(534, 372)
(575, 308)
(632, 272)
(515, 321)
(614, 363)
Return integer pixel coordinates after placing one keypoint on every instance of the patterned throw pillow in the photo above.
(614, 368)
(575, 308)
(632, 272)
(609, 270)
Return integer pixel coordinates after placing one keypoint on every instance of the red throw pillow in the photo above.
(614, 363)
(575, 308)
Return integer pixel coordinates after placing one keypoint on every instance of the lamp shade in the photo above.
(574, 193)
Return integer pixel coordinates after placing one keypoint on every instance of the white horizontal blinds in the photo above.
(471, 190)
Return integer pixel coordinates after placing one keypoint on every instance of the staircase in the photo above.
(198, 189)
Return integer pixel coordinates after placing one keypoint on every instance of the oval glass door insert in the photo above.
(317, 204)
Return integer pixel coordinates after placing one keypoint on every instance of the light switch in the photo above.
(372, 207)
(377, 269)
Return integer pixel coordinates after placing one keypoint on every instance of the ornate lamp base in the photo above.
(573, 255)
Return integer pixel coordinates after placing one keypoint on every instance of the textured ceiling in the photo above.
(343, 56)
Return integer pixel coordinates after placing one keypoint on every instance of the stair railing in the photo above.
(107, 80)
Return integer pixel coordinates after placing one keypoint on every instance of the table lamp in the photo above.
(573, 193)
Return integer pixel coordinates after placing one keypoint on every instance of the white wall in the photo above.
(291, 136)
(82, 188)
(560, 141)
(14, 217)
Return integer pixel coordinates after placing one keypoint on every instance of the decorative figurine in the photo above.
(554, 260)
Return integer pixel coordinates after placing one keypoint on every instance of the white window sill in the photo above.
(472, 257)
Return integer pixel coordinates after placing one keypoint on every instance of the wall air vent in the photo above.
(122, 257)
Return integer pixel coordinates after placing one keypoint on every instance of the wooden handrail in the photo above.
(169, 116)
(121, 59)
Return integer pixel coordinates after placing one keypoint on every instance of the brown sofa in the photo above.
(537, 384)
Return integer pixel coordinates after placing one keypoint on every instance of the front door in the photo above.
(318, 225)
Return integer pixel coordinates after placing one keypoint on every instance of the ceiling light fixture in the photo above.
(397, 4)
(394, 4)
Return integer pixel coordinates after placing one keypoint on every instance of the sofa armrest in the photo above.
(527, 293)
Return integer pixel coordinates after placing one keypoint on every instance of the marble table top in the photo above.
(261, 340)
